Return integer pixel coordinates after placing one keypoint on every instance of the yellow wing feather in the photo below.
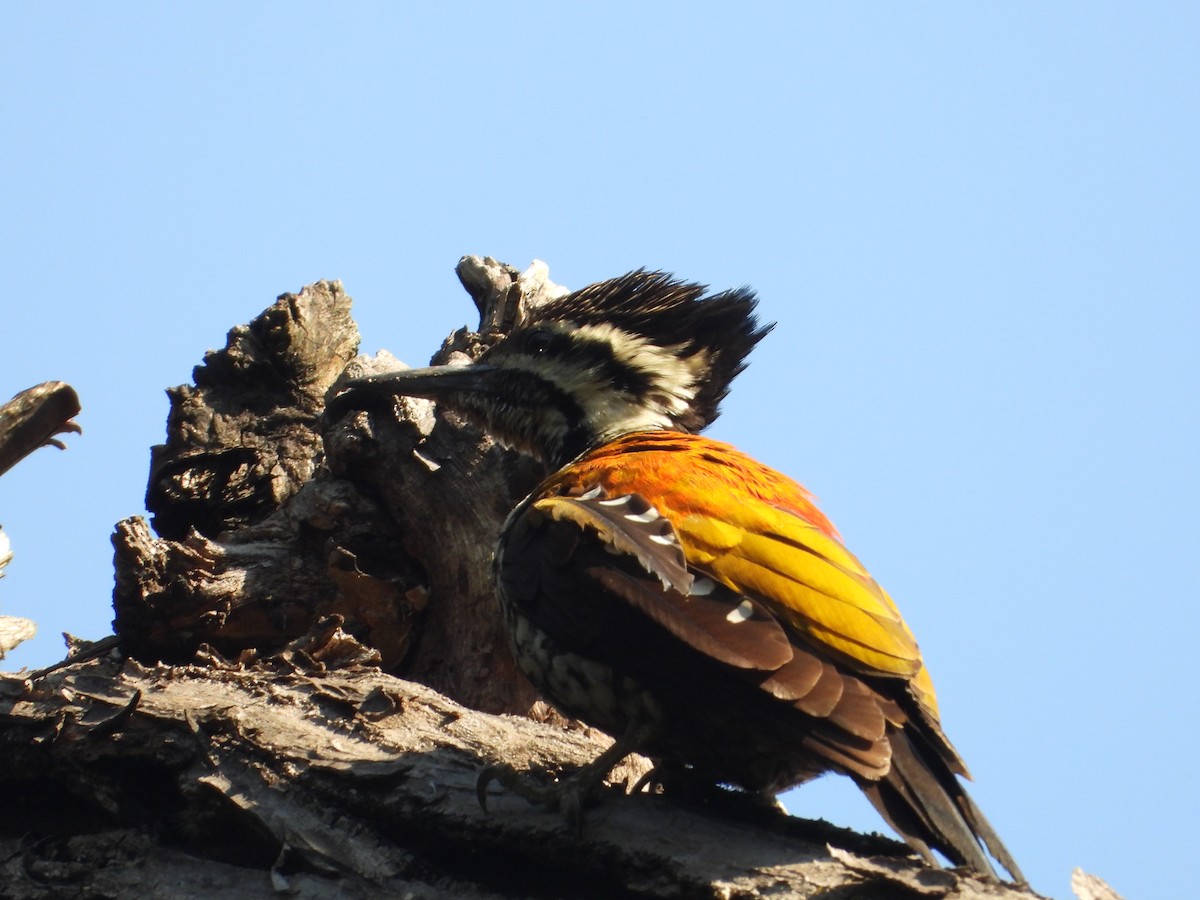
(757, 531)
(815, 596)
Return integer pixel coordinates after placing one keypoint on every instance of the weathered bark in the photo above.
(241, 562)
(302, 562)
(122, 780)
(271, 517)
(33, 418)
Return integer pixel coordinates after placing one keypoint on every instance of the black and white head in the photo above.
(637, 353)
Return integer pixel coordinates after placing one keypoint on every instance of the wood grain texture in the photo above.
(246, 781)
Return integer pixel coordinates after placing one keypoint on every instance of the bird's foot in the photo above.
(570, 795)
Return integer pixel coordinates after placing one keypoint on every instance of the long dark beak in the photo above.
(432, 382)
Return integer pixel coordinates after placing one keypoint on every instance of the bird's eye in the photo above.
(538, 341)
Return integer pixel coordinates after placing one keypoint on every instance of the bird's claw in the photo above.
(570, 796)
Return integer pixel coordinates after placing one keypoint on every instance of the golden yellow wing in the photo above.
(759, 534)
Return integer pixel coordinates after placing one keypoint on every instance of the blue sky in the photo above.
(976, 225)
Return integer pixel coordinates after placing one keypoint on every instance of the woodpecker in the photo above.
(681, 596)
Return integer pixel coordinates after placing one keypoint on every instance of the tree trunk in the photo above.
(309, 671)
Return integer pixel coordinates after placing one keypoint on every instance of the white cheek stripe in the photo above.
(673, 377)
(673, 373)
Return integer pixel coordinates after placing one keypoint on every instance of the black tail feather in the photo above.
(926, 803)
(983, 829)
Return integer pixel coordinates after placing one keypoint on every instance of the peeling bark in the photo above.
(247, 781)
(270, 517)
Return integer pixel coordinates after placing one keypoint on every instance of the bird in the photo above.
(687, 599)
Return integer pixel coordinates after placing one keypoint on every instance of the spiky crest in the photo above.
(717, 333)
(639, 352)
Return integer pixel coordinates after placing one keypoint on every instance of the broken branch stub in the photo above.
(270, 517)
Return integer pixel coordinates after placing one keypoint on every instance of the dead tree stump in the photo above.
(309, 670)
